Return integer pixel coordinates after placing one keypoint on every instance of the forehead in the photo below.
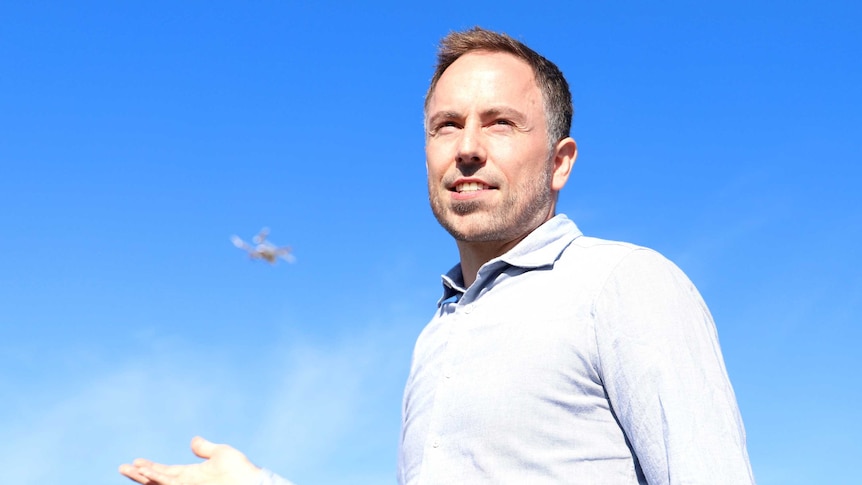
(487, 77)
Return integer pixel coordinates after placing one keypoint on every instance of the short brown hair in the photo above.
(555, 90)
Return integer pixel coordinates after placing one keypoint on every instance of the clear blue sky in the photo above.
(137, 137)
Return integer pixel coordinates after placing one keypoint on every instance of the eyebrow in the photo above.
(504, 111)
(442, 115)
(492, 112)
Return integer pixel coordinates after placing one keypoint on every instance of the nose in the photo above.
(471, 148)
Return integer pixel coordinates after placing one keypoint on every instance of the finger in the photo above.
(156, 478)
(203, 448)
(171, 470)
(131, 472)
(166, 470)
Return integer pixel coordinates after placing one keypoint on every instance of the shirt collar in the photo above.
(542, 247)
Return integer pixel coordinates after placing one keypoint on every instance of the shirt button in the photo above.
(436, 443)
(468, 308)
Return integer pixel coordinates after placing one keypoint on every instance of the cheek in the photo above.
(433, 171)
(435, 164)
(532, 159)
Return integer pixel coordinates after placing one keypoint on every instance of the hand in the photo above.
(224, 465)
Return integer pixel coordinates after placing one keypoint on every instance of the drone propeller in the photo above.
(239, 243)
(261, 236)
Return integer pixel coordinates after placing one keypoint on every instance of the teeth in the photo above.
(470, 187)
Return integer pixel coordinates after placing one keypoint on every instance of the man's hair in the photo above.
(555, 90)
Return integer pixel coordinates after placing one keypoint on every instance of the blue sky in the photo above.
(137, 137)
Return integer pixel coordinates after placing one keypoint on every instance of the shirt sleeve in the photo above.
(267, 477)
(662, 368)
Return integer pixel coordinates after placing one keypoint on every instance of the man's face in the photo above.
(487, 152)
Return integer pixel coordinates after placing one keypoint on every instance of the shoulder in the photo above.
(637, 291)
(606, 248)
(605, 257)
(608, 271)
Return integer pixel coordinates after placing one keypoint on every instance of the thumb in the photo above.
(203, 448)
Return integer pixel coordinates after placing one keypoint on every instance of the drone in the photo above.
(263, 249)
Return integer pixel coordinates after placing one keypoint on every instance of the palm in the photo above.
(223, 465)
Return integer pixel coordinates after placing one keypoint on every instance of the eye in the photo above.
(445, 127)
(502, 125)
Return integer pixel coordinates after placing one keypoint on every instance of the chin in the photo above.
(477, 230)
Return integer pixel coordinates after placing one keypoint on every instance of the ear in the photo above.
(565, 154)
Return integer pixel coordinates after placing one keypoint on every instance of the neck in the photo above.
(475, 254)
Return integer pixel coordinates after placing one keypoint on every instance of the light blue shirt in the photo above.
(571, 360)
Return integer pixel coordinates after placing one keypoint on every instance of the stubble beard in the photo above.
(512, 218)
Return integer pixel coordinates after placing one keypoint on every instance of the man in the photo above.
(553, 357)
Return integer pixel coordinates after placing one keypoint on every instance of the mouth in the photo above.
(467, 187)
